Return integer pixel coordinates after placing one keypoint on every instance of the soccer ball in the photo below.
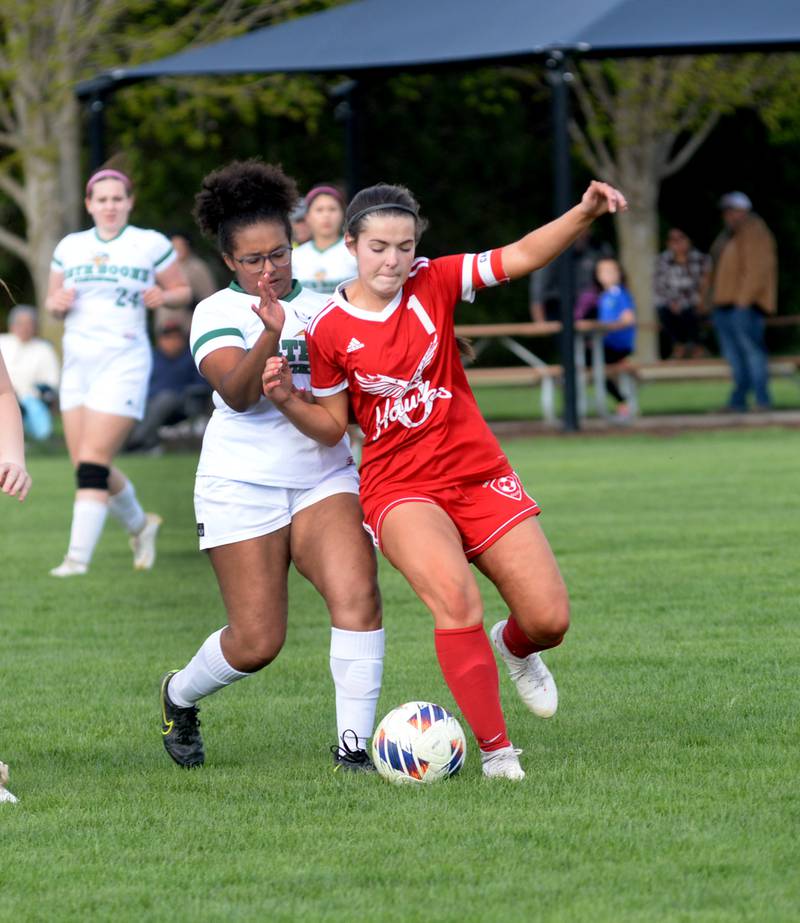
(418, 742)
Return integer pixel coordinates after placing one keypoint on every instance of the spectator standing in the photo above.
(680, 275)
(34, 369)
(323, 262)
(177, 391)
(744, 286)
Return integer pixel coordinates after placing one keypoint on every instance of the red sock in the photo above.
(470, 671)
(519, 643)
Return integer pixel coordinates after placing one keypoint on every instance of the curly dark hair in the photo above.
(241, 194)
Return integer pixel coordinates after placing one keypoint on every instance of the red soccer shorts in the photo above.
(482, 511)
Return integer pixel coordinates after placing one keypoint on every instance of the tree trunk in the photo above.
(637, 235)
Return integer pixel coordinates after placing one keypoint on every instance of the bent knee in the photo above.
(249, 651)
(456, 605)
(546, 625)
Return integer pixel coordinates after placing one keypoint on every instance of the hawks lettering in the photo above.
(404, 398)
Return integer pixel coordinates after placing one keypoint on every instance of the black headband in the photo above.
(387, 206)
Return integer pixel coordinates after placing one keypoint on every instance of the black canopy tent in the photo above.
(381, 36)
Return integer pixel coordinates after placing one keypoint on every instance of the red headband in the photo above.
(324, 190)
(109, 174)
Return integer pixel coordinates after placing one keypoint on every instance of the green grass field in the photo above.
(666, 788)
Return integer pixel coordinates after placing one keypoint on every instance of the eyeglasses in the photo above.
(255, 262)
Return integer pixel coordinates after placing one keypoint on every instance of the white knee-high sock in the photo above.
(88, 519)
(357, 670)
(206, 672)
(125, 507)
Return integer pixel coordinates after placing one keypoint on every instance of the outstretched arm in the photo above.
(14, 479)
(538, 248)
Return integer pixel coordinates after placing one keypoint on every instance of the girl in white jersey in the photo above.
(324, 261)
(437, 491)
(266, 496)
(102, 282)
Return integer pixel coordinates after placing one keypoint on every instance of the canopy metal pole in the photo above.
(349, 112)
(559, 79)
(97, 131)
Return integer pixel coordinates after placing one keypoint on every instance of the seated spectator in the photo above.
(177, 391)
(301, 232)
(615, 307)
(34, 370)
(680, 274)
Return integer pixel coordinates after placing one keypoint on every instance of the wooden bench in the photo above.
(630, 372)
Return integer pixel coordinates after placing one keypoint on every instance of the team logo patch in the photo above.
(507, 486)
(201, 529)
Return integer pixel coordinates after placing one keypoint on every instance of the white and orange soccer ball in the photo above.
(418, 742)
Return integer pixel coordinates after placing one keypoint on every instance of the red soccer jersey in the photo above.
(408, 388)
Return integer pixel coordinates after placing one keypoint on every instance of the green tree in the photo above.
(640, 120)
(46, 48)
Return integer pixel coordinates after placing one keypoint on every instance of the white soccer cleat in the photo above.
(143, 544)
(502, 764)
(69, 568)
(534, 682)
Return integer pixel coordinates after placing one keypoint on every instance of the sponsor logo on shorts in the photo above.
(506, 486)
(201, 530)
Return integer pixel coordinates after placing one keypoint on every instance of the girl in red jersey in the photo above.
(437, 491)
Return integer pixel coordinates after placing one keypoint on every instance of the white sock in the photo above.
(88, 519)
(206, 672)
(124, 507)
(357, 670)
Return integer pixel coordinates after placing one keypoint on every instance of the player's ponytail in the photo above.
(241, 194)
(382, 199)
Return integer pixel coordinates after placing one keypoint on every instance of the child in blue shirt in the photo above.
(615, 306)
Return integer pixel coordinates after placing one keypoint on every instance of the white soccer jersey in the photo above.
(323, 270)
(109, 277)
(259, 445)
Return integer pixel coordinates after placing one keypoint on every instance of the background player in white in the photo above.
(437, 490)
(323, 261)
(102, 281)
(265, 495)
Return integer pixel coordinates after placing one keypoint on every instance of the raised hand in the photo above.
(601, 198)
(269, 309)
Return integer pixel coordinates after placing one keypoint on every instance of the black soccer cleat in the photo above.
(351, 759)
(180, 728)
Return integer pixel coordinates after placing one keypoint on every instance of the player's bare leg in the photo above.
(522, 566)
(93, 439)
(252, 577)
(331, 549)
(422, 542)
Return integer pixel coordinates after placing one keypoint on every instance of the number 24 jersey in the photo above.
(407, 386)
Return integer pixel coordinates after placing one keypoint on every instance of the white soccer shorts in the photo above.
(115, 382)
(234, 511)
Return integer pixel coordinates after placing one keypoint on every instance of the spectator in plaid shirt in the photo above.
(680, 275)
